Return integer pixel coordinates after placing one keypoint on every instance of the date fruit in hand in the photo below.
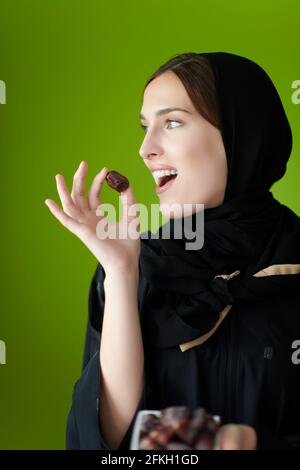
(117, 181)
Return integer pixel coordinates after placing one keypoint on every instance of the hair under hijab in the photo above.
(197, 77)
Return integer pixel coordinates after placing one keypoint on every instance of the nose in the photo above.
(150, 147)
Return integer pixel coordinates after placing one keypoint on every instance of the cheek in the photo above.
(197, 145)
(197, 157)
(204, 169)
(206, 152)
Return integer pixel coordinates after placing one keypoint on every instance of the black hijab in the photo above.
(249, 232)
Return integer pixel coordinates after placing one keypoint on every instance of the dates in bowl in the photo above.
(175, 428)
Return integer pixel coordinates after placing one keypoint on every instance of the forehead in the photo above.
(165, 91)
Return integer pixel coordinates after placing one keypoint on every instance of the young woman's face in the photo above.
(184, 141)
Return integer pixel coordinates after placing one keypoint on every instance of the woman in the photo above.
(211, 327)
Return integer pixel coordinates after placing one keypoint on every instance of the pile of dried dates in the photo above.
(178, 428)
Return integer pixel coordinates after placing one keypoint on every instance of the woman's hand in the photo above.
(82, 217)
(237, 437)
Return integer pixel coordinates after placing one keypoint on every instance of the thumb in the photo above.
(229, 437)
(129, 202)
(237, 437)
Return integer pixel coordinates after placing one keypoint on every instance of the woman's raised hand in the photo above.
(116, 245)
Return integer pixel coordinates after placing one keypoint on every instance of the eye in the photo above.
(173, 120)
(167, 120)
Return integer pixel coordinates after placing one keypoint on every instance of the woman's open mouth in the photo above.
(165, 183)
(164, 178)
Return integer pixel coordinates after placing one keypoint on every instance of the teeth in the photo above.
(160, 173)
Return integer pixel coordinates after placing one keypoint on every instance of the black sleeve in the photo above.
(266, 440)
(83, 424)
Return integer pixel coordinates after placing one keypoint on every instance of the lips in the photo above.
(160, 168)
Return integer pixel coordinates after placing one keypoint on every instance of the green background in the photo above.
(74, 72)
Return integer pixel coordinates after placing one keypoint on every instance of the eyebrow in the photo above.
(167, 110)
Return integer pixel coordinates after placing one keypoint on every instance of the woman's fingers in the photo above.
(129, 204)
(78, 188)
(66, 200)
(64, 219)
(95, 189)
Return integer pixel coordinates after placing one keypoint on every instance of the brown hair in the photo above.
(196, 75)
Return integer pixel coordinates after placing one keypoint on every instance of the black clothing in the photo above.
(244, 372)
(219, 322)
(190, 289)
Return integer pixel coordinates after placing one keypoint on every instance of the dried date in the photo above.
(117, 181)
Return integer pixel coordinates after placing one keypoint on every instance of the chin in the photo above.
(174, 210)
